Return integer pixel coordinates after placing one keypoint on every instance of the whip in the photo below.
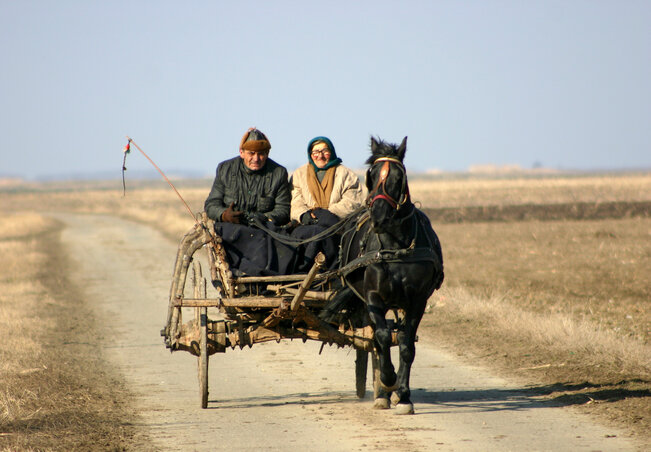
(126, 150)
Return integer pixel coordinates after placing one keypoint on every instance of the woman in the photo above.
(323, 192)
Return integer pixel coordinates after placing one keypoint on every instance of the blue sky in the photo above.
(565, 84)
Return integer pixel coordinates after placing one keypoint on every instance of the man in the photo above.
(250, 186)
(248, 189)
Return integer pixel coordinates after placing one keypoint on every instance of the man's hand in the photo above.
(231, 216)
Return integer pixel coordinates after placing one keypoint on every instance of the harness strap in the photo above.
(406, 255)
(390, 256)
(410, 254)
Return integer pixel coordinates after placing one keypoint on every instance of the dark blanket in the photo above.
(253, 252)
(305, 254)
(329, 246)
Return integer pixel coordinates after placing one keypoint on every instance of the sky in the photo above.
(561, 84)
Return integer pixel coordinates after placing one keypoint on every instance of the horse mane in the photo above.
(380, 148)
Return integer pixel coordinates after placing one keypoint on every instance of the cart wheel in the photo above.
(201, 317)
(203, 358)
(361, 368)
(198, 286)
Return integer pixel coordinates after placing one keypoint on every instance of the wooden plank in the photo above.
(319, 260)
(244, 302)
(279, 278)
(250, 302)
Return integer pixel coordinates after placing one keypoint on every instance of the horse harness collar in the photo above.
(375, 194)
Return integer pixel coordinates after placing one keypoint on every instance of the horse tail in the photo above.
(344, 301)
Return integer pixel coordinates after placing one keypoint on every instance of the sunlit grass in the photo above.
(513, 191)
(588, 344)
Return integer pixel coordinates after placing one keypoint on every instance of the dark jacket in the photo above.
(265, 191)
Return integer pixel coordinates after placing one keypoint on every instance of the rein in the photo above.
(288, 240)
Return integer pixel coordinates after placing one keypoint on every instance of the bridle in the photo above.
(380, 192)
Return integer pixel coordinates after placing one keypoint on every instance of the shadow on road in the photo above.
(431, 402)
(544, 396)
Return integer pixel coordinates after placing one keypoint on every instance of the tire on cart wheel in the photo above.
(203, 358)
(361, 370)
(201, 317)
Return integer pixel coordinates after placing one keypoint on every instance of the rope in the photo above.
(127, 150)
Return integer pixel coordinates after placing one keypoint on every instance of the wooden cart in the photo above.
(254, 309)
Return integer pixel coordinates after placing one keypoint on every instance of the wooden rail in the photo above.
(241, 302)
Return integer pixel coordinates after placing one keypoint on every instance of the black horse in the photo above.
(391, 260)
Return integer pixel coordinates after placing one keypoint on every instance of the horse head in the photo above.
(386, 180)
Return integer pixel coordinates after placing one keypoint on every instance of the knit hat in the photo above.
(334, 160)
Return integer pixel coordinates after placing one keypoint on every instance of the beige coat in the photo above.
(348, 193)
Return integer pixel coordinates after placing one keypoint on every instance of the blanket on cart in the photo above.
(251, 251)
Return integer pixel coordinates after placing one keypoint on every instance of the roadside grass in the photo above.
(563, 305)
(565, 360)
(55, 391)
(582, 342)
(595, 270)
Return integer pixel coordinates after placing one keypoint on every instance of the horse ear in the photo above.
(402, 149)
(373, 144)
(368, 180)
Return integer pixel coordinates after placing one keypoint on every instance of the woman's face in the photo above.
(320, 154)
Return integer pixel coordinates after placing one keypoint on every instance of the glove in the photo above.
(289, 227)
(232, 216)
(309, 218)
(324, 217)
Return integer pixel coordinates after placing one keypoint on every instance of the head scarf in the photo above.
(334, 160)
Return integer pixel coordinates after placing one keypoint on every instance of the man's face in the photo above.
(320, 154)
(254, 160)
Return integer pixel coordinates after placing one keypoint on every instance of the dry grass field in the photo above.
(56, 393)
(547, 281)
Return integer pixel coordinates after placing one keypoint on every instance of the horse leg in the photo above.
(407, 348)
(381, 397)
(382, 341)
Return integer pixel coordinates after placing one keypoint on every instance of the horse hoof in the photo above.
(381, 404)
(395, 398)
(404, 408)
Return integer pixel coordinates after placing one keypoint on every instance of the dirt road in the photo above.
(286, 396)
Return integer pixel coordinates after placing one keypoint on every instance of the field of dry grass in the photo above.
(562, 304)
(549, 189)
(55, 392)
